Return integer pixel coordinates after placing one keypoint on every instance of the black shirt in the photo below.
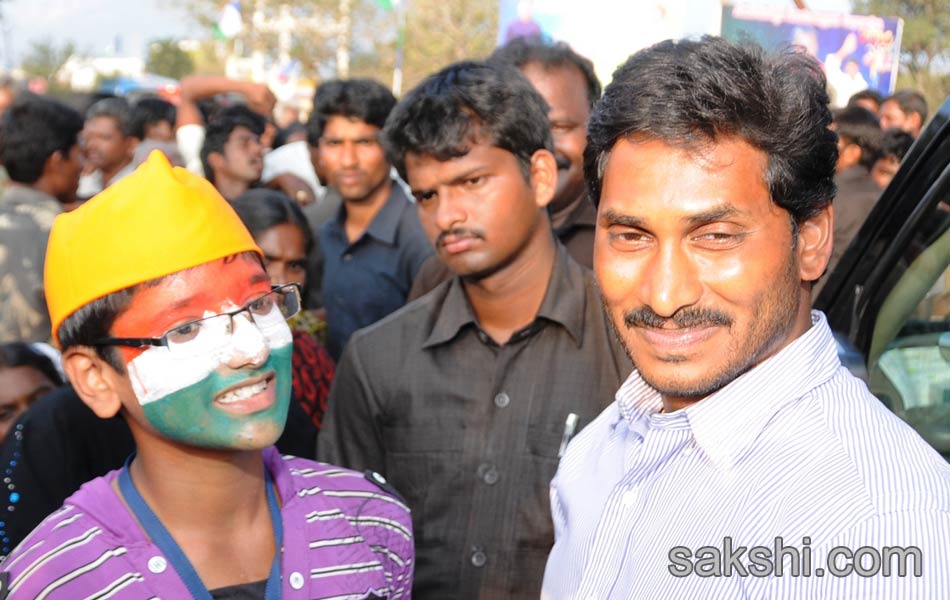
(469, 431)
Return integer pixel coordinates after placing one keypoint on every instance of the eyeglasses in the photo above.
(274, 307)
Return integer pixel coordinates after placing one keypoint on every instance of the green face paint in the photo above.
(191, 415)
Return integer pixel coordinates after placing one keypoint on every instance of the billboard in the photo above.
(607, 31)
(858, 51)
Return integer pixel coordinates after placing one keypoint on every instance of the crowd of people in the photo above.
(536, 333)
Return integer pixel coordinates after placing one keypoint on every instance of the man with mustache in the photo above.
(232, 154)
(740, 459)
(464, 398)
(170, 320)
(374, 246)
(569, 86)
(108, 145)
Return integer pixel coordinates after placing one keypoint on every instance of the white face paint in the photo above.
(159, 371)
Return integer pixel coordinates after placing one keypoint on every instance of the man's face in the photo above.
(478, 210)
(697, 266)
(565, 91)
(893, 117)
(226, 390)
(243, 156)
(105, 145)
(352, 158)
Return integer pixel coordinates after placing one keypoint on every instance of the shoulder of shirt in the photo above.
(48, 554)
(309, 474)
(899, 469)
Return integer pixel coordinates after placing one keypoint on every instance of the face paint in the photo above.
(190, 397)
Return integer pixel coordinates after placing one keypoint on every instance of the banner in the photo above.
(857, 51)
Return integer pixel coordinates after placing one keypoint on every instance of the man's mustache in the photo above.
(563, 163)
(458, 233)
(682, 319)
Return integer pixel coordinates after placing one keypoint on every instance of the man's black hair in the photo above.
(33, 128)
(895, 142)
(220, 128)
(151, 111)
(284, 134)
(113, 108)
(468, 103)
(910, 101)
(550, 55)
(691, 93)
(363, 99)
(868, 94)
(857, 125)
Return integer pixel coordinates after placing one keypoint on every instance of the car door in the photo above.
(888, 300)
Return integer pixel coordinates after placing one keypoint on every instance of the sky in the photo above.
(94, 24)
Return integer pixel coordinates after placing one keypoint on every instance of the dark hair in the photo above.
(261, 208)
(33, 128)
(21, 354)
(284, 134)
(220, 128)
(690, 93)
(868, 94)
(525, 50)
(113, 108)
(857, 125)
(467, 103)
(151, 111)
(910, 101)
(363, 99)
(895, 142)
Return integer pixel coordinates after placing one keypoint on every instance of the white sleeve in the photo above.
(190, 138)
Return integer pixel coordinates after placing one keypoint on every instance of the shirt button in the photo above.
(296, 580)
(488, 473)
(629, 498)
(347, 257)
(502, 400)
(479, 558)
(157, 564)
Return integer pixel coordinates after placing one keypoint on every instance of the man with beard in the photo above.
(569, 86)
(740, 445)
(464, 398)
(373, 248)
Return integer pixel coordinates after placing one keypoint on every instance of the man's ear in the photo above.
(216, 160)
(543, 176)
(95, 380)
(850, 155)
(53, 164)
(815, 242)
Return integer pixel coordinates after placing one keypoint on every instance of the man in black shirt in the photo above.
(465, 398)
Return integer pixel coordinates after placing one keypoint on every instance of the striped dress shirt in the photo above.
(796, 448)
(345, 537)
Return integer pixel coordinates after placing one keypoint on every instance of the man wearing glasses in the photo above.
(169, 320)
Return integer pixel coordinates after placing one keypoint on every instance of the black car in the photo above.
(888, 300)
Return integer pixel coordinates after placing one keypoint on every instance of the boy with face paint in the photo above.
(170, 320)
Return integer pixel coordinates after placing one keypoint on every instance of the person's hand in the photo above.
(293, 186)
(260, 99)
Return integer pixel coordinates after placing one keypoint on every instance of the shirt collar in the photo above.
(22, 194)
(565, 302)
(385, 223)
(727, 423)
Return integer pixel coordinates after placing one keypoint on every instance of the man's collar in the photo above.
(727, 423)
(384, 225)
(565, 302)
(24, 194)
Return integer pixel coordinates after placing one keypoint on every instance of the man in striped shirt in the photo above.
(160, 303)
(740, 460)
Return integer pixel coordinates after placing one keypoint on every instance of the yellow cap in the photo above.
(156, 221)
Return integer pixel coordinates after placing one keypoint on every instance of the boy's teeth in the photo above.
(243, 393)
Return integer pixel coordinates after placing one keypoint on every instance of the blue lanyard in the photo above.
(166, 543)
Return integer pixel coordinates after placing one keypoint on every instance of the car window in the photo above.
(909, 358)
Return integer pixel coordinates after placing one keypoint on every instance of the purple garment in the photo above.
(344, 537)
